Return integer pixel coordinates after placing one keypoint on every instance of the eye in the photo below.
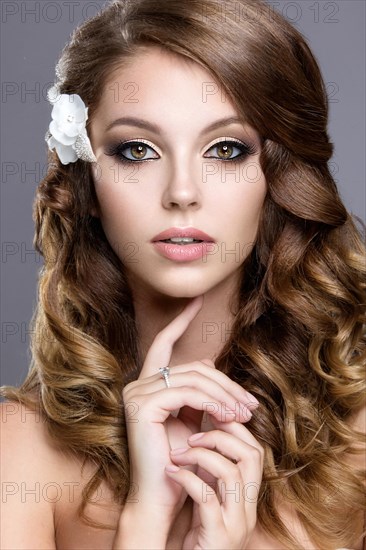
(132, 151)
(226, 148)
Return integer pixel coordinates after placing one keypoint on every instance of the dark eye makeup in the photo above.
(141, 148)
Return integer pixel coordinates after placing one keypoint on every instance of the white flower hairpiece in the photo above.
(67, 130)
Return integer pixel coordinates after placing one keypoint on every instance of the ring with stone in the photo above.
(165, 374)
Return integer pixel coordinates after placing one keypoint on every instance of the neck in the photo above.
(208, 331)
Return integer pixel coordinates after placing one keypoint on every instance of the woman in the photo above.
(183, 394)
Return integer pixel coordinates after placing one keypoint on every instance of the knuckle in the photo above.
(212, 435)
(260, 449)
(193, 375)
(125, 393)
(128, 388)
(136, 399)
(231, 473)
(257, 452)
(199, 364)
(208, 362)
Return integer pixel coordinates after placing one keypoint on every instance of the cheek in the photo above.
(241, 203)
(117, 214)
(120, 225)
(118, 218)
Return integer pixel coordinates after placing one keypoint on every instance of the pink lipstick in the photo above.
(183, 244)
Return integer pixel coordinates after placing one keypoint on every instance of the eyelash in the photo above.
(116, 150)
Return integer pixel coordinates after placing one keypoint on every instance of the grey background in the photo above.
(33, 35)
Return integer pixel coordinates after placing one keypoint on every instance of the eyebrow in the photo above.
(140, 123)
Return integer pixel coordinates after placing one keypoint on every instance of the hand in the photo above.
(224, 518)
(195, 386)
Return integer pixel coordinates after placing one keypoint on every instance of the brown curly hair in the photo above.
(297, 342)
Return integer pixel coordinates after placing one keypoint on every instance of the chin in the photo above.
(186, 288)
(184, 294)
(183, 291)
(187, 284)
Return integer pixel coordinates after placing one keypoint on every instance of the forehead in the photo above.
(154, 76)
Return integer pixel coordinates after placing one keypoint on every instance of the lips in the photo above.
(188, 245)
(190, 232)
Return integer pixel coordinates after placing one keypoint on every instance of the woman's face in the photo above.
(177, 173)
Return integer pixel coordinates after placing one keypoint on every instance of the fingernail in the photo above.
(172, 468)
(250, 404)
(179, 450)
(252, 399)
(195, 436)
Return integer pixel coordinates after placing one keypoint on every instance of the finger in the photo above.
(157, 406)
(196, 380)
(202, 494)
(228, 445)
(238, 430)
(237, 443)
(190, 417)
(242, 395)
(249, 459)
(160, 350)
(230, 483)
(195, 370)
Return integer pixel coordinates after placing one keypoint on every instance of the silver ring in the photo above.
(165, 374)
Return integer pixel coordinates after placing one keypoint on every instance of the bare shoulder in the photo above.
(17, 419)
(42, 487)
(25, 440)
(31, 467)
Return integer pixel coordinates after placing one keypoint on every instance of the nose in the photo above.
(182, 190)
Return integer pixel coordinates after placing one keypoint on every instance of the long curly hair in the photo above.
(297, 342)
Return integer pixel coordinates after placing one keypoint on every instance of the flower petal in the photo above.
(61, 108)
(60, 135)
(70, 129)
(71, 105)
(66, 154)
(78, 107)
(51, 142)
